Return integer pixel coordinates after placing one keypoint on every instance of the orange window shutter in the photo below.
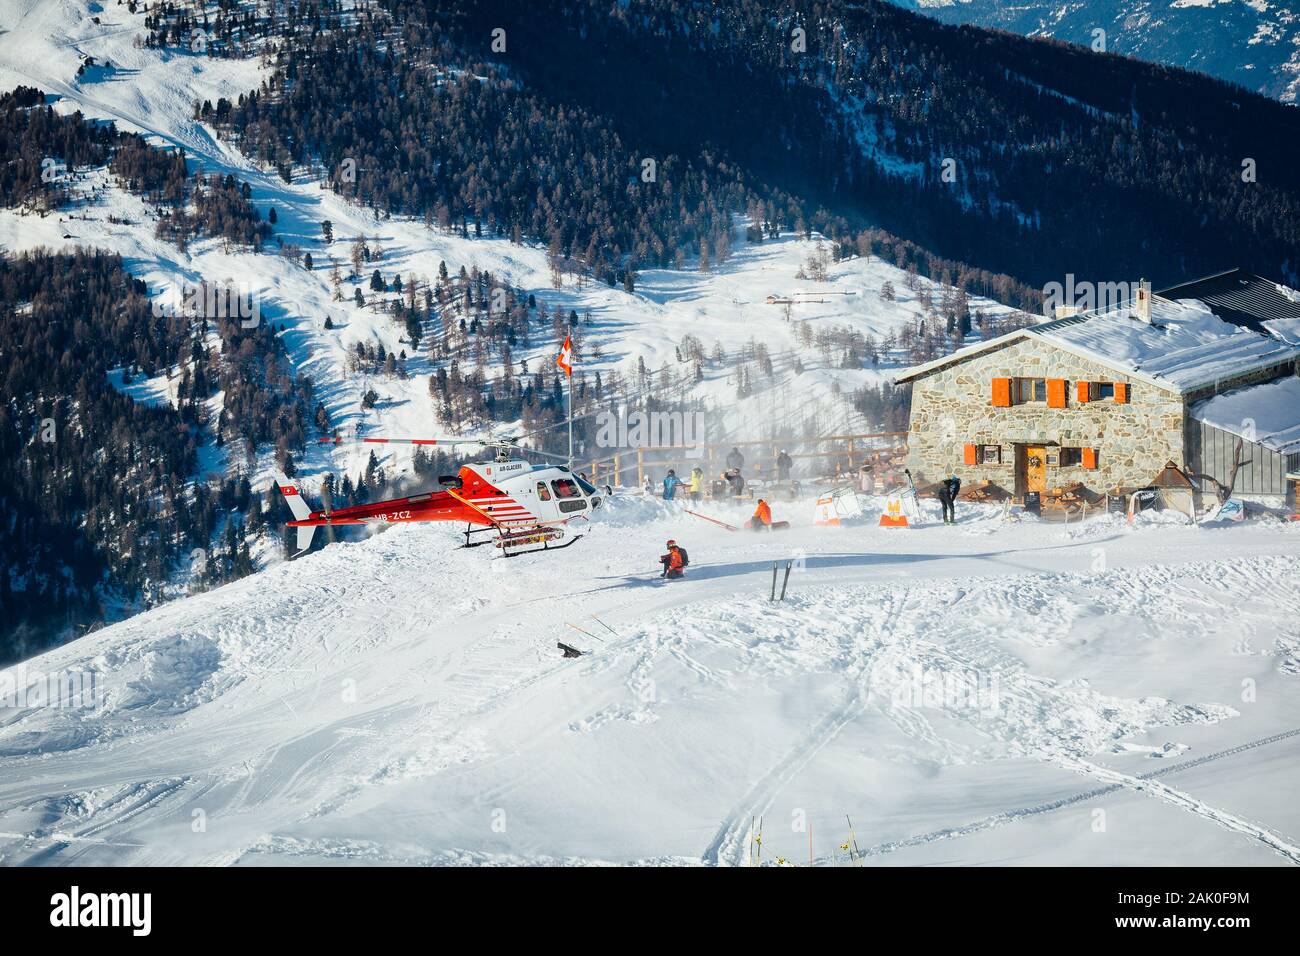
(1002, 393)
(1121, 393)
(1090, 458)
(1056, 393)
(1082, 391)
(968, 454)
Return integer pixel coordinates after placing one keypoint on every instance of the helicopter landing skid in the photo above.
(530, 542)
(470, 543)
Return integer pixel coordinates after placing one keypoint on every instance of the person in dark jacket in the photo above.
(949, 489)
(735, 460)
(783, 463)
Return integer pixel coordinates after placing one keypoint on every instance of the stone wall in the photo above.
(954, 406)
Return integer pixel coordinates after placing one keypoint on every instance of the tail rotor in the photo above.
(301, 511)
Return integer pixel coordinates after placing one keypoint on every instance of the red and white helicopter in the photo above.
(525, 506)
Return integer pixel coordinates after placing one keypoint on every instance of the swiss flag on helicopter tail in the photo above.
(564, 359)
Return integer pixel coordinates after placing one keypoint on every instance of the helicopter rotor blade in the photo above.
(505, 444)
(545, 454)
(453, 440)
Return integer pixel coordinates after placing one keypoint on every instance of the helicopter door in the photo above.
(568, 495)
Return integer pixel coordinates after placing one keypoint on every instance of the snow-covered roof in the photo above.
(1288, 330)
(1187, 344)
(1268, 414)
(1242, 298)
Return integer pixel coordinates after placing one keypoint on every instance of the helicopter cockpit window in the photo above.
(566, 488)
(542, 493)
(587, 486)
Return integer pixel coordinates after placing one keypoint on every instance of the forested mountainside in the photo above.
(49, 151)
(94, 488)
(1254, 43)
(1065, 160)
(97, 495)
(402, 94)
(1026, 157)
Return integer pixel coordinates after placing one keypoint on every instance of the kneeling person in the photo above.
(675, 561)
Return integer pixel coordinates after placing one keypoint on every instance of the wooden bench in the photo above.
(982, 492)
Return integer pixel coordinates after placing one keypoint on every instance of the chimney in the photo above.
(1142, 303)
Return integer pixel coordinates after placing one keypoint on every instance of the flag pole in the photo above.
(565, 361)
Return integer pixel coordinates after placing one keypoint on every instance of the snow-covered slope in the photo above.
(1255, 43)
(987, 693)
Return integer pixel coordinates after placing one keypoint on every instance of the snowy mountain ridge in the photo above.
(1255, 43)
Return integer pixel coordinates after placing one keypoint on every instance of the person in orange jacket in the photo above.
(674, 561)
(762, 519)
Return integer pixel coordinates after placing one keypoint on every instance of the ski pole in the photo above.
(604, 625)
(773, 595)
(724, 524)
(786, 580)
(581, 631)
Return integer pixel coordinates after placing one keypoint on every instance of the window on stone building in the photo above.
(1071, 456)
(990, 454)
(1098, 391)
(1031, 390)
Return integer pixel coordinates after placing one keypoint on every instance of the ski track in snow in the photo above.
(1136, 782)
(912, 607)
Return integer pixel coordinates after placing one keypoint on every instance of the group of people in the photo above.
(736, 461)
(735, 480)
(676, 560)
(694, 485)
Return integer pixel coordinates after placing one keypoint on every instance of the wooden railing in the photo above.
(655, 460)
